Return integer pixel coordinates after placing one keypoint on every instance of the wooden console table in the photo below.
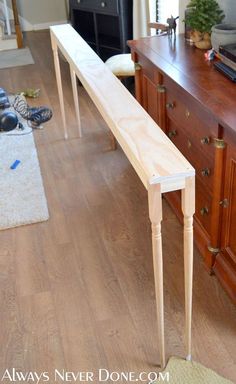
(158, 163)
(196, 107)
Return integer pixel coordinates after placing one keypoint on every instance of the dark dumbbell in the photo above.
(8, 121)
(4, 101)
(2, 92)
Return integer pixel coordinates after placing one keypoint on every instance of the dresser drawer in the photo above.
(103, 6)
(201, 161)
(203, 206)
(195, 128)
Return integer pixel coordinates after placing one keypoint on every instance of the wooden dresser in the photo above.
(196, 107)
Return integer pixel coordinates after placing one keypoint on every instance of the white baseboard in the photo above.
(37, 27)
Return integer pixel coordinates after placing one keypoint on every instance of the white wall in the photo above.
(229, 8)
(182, 7)
(39, 14)
(41, 11)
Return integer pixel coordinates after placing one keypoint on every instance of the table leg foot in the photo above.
(155, 213)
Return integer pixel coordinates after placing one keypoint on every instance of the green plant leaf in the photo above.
(203, 14)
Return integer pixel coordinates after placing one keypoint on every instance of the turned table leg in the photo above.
(76, 99)
(188, 208)
(59, 86)
(155, 214)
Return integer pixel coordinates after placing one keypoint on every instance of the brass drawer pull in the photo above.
(172, 133)
(205, 172)
(204, 211)
(187, 114)
(224, 203)
(161, 88)
(137, 66)
(219, 143)
(205, 140)
(170, 105)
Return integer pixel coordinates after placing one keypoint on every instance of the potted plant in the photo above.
(201, 16)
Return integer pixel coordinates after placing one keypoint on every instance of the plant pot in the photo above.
(195, 36)
(201, 40)
(223, 34)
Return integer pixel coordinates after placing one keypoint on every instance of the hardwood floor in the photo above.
(77, 291)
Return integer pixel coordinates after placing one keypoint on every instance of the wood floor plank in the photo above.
(73, 310)
(11, 333)
(41, 339)
(30, 269)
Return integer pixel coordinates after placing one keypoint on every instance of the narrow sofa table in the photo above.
(158, 163)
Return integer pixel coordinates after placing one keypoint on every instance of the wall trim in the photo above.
(37, 27)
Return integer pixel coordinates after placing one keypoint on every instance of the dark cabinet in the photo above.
(105, 25)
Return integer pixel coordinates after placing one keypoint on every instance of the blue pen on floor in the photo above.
(15, 164)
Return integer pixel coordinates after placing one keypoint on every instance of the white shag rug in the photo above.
(22, 197)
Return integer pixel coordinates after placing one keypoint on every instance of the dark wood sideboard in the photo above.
(196, 106)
